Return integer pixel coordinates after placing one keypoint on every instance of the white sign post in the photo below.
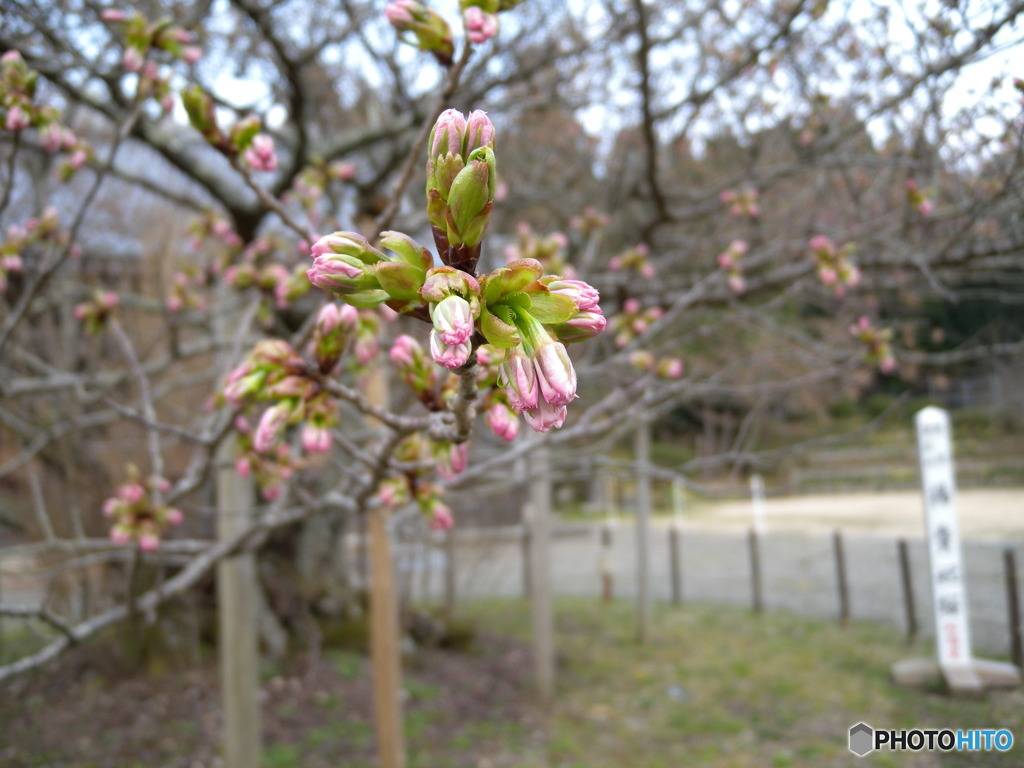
(955, 663)
(938, 484)
(757, 495)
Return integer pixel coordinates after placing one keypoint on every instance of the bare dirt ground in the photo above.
(983, 514)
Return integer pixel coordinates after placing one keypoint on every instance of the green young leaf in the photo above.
(400, 280)
(499, 331)
(551, 308)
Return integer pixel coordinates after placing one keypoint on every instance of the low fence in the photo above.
(840, 576)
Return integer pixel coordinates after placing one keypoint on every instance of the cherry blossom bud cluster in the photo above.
(274, 373)
(143, 38)
(835, 269)
(422, 27)
(415, 367)
(919, 199)
(634, 259)
(549, 250)
(590, 222)
(138, 513)
(19, 111)
(411, 487)
(20, 238)
(742, 202)
(270, 470)
(669, 368)
(451, 458)
(461, 184)
(731, 261)
(877, 343)
(260, 155)
(335, 328)
(633, 321)
(480, 18)
(185, 291)
(94, 313)
(211, 225)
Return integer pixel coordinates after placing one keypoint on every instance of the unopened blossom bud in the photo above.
(17, 120)
(584, 295)
(316, 439)
(452, 460)
(260, 155)
(670, 368)
(112, 15)
(555, 373)
(736, 283)
(132, 59)
(448, 134)
(400, 13)
(120, 535)
(518, 377)
(174, 516)
(546, 416)
(479, 132)
(503, 421)
(190, 54)
(821, 244)
(149, 542)
(441, 518)
(453, 320)
(450, 356)
(404, 351)
(480, 26)
(243, 467)
(328, 320)
(270, 428)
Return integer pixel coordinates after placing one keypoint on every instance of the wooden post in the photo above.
(841, 584)
(384, 645)
(1013, 606)
(643, 531)
(675, 562)
(542, 614)
(521, 477)
(449, 573)
(237, 615)
(906, 579)
(754, 544)
(605, 563)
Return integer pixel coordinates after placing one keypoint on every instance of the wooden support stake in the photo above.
(384, 645)
(906, 579)
(643, 531)
(1013, 606)
(607, 575)
(449, 574)
(525, 543)
(676, 563)
(842, 586)
(754, 543)
(237, 615)
(542, 612)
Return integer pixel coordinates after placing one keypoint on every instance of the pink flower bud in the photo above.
(631, 306)
(112, 15)
(149, 542)
(110, 507)
(450, 357)
(17, 120)
(243, 467)
(821, 244)
(120, 535)
(887, 365)
(269, 430)
(132, 59)
(545, 417)
(77, 159)
(271, 492)
(11, 262)
(583, 294)
(448, 133)
(174, 516)
(555, 374)
(404, 351)
(736, 283)
(670, 368)
(316, 439)
(453, 320)
(479, 131)
(51, 138)
(441, 518)
(926, 207)
(261, 154)
(518, 377)
(503, 421)
(132, 493)
(480, 26)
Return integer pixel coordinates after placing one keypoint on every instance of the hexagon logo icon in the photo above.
(862, 739)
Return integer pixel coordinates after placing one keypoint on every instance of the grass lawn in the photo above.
(714, 687)
(719, 687)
